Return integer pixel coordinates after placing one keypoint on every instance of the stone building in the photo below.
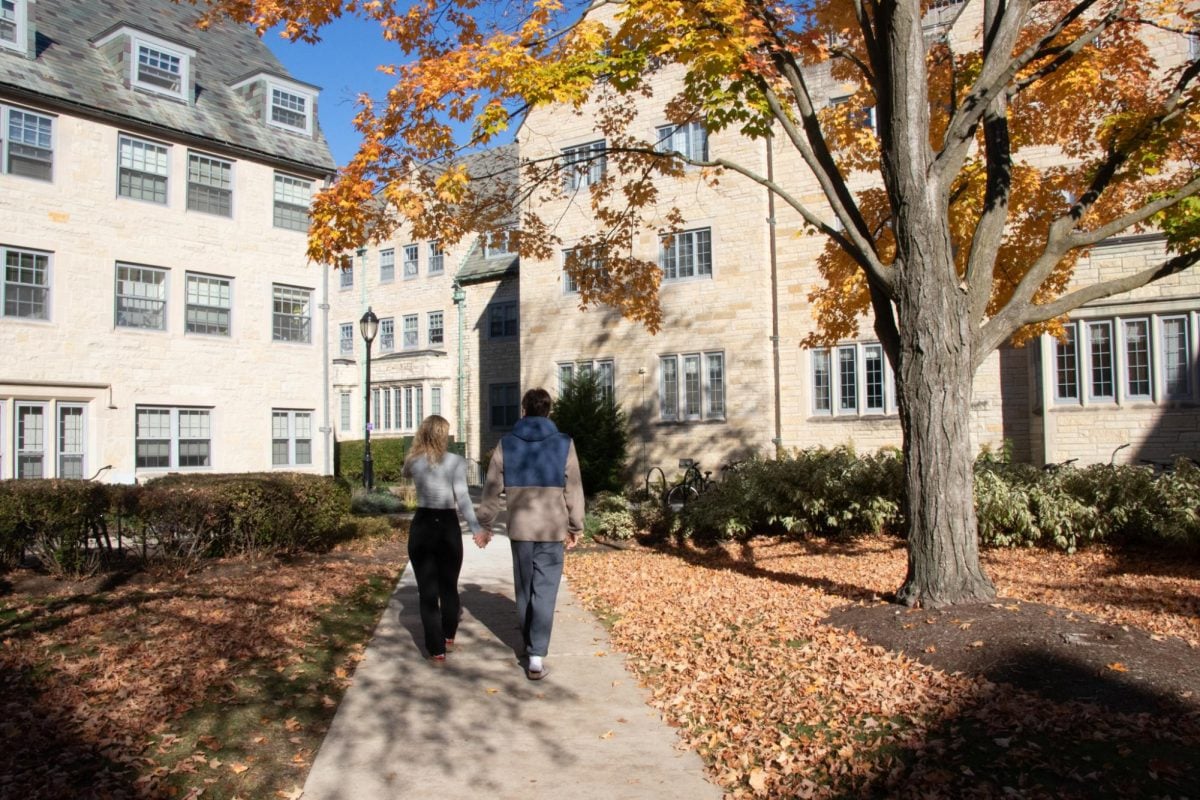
(157, 311)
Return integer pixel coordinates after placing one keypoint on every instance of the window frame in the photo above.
(7, 141)
(410, 324)
(279, 292)
(296, 91)
(345, 411)
(584, 164)
(387, 335)
(20, 28)
(282, 204)
(346, 275)
(410, 264)
(133, 169)
(670, 257)
(162, 301)
(666, 137)
(20, 454)
(829, 381)
(495, 240)
(184, 55)
(437, 258)
(175, 437)
(346, 339)
(498, 312)
(6, 286)
(199, 187)
(60, 452)
(435, 400)
(188, 305)
(387, 265)
(291, 438)
(440, 328)
(508, 410)
(675, 398)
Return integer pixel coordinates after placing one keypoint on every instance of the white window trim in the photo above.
(48, 428)
(4, 250)
(232, 183)
(166, 298)
(276, 201)
(664, 135)
(384, 347)
(890, 405)
(20, 41)
(292, 438)
(593, 157)
(5, 111)
(415, 261)
(58, 437)
(391, 252)
(415, 330)
(139, 39)
(491, 249)
(173, 446)
(345, 411)
(167, 177)
(429, 328)
(187, 276)
(437, 255)
(679, 414)
(696, 274)
(343, 351)
(308, 292)
(310, 97)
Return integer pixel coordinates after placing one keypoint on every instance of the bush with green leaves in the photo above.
(387, 459)
(600, 432)
(61, 523)
(612, 517)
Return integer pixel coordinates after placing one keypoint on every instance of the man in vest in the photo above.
(537, 469)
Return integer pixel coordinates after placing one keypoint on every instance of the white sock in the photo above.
(535, 663)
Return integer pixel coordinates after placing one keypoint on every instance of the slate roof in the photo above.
(70, 74)
(496, 169)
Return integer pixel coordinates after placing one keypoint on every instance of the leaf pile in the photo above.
(780, 705)
(96, 689)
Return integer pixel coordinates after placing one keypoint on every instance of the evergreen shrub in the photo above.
(599, 430)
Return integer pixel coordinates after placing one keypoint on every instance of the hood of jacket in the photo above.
(534, 429)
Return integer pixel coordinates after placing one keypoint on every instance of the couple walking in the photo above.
(536, 467)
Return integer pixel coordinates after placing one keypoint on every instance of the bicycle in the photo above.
(689, 487)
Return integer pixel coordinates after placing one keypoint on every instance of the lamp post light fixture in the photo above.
(368, 326)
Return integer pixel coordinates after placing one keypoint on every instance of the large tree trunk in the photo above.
(936, 342)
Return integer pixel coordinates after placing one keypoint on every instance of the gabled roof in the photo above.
(497, 172)
(69, 73)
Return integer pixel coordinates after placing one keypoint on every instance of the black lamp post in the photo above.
(369, 326)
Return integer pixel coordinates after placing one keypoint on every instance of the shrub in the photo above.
(611, 516)
(387, 456)
(599, 430)
(376, 501)
(60, 522)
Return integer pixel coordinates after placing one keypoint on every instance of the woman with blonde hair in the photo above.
(435, 547)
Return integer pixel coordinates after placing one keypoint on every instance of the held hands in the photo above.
(572, 540)
(483, 537)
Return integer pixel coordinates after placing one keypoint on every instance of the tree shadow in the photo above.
(496, 612)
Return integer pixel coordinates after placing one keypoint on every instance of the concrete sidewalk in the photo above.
(478, 728)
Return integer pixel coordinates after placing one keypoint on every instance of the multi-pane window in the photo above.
(26, 287)
(346, 275)
(173, 438)
(387, 335)
(28, 140)
(584, 164)
(689, 139)
(437, 258)
(411, 254)
(289, 109)
(412, 333)
(437, 333)
(498, 243)
(209, 304)
(159, 70)
(570, 284)
(31, 440)
(291, 317)
(435, 400)
(346, 339)
(210, 185)
(687, 254)
(71, 440)
(12, 30)
(387, 265)
(1151, 361)
(141, 300)
(852, 379)
(603, 370)
(142, 173)
(692, 386)
(1100, 346)
(344, 400)
(502, 320)
(566, 373)
(292, 198)
(414, 407)
(1137, 358)
(291, 438)
(503, 402)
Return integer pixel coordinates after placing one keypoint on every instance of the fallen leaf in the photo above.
(238, 768)
(1117, 666)
(976, 643)
(758, 780)
(607, 735)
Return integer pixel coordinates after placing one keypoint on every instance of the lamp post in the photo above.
(369, 326)
(460, 300)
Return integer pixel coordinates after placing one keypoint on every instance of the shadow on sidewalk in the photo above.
(497, 613)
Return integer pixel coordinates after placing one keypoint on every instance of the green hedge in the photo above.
(386, 454)
(174, 519)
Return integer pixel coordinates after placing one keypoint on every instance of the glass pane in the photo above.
(303, 451)
(158, 69)
(1100, 339)
(1137, 358)
(289, 109)
(26, 281)
(193, 453)
(1176, 358)
(279, 452)
(670, 387)
(848, 379)
(716, 384)
(873, 363)
(822, 400)
(691, 386)
(1066, 358)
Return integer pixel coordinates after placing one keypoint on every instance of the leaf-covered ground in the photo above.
(734, 646)
(218, 684)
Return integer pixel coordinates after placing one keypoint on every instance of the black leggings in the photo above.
(435, 550)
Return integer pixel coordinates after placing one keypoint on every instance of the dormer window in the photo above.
(279, 102)
(154, 64)
(13, 24)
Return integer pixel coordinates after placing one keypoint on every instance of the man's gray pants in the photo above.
(537, 571)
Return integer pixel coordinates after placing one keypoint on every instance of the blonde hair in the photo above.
(430, 440)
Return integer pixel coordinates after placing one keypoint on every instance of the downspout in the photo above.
(460, 301)
(326, 423)
(778, 439)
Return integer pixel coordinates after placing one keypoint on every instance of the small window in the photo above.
(437, 258)
(346, 275)
(292, 199)
(142, 174)
(1176, 357)
(566, 373)
(437, 333)
(210, 185)
(583, 165)
(1101, 368)
(570, 284)
(852, 380)
(28, 140)
(714, 387)
(26, 286)
(291, 318)
(160, 70)
(668, 368)
(291, 438)
(346, 339)
(387, 335)
(344, 399)
(689, 140)
(435, 400)
(13, 24)
(1066, 364)
(173, 438)
(411, 267)
(822, 388)
(848, 379)
(687, 254)
(387, 266)
(72, 440)
(498, 243)
(875, 382)
(141, 297)
(290, 109)
(502, 320)
(31, 440)
(504, 402)
(209, 305)
(412, 333)
(691, 387)
(1137, 359)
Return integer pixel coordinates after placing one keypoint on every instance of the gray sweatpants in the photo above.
(537, 571)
